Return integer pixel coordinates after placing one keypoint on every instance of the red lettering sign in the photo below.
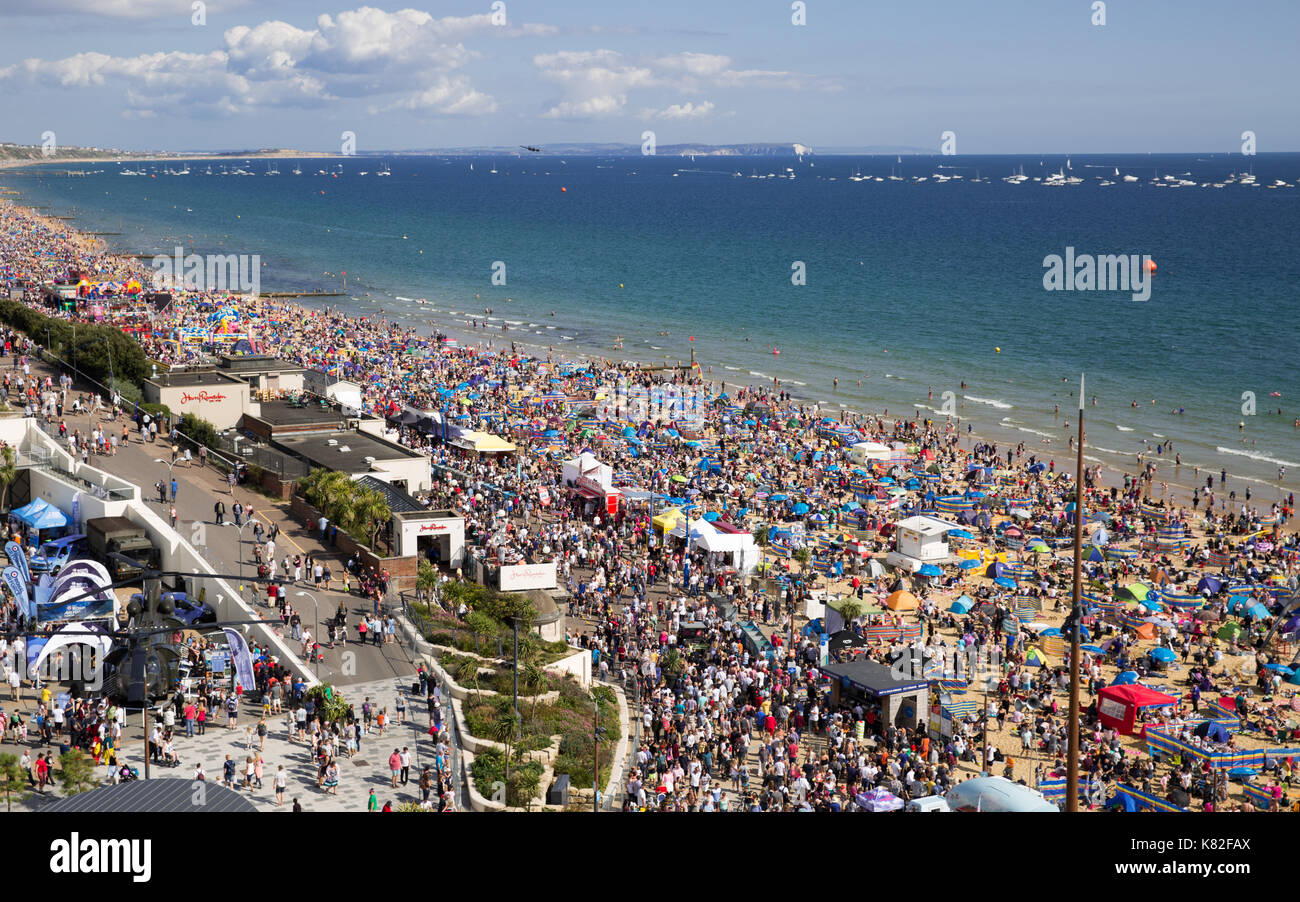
(431, 527)
(214, 398)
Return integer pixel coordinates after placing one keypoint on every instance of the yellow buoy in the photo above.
(998, 350)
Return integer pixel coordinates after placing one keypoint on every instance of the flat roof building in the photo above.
(217, 397)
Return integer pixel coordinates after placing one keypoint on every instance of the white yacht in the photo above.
(383, 170)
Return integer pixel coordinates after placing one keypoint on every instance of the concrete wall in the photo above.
(177, 549)
(415, 470)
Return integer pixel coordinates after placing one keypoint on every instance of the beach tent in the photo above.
(40, 514)
(961, 606)
(1126, 678)
(902, 600)
(1145, 630)
(1229, 631)
(1035, 658)
(1117, 706)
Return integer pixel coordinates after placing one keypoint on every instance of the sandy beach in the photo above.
(770, 463)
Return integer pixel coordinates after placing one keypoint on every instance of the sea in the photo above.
(916, 281)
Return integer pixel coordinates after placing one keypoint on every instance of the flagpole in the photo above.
(1076, 613)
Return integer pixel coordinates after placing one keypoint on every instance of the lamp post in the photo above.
(315, 622)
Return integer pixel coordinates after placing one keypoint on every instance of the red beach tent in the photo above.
(1117, 706)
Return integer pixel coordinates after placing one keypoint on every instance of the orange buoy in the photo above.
(1151, 265)
(776, 351)
(563, 189)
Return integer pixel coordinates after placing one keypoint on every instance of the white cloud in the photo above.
(364, 52)
(596, 82)
(686, 110)
(118, 9)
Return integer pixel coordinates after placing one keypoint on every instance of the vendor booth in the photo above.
(43, 518)
(904, 702)
(588, 478)
(1118, 706)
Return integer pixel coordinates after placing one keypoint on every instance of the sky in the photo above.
(1003, 76)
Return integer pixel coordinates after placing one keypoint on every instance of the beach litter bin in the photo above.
(558, 794)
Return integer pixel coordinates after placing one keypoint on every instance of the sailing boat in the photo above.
(383, 171)
(493, 170)
(297, 170)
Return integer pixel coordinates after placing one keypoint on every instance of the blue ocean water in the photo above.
(910, 286)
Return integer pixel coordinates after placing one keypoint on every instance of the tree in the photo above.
(481, 625)
(76, 772)
(760, 539)
(504, 731)
(466, 673)
(13, 780)
(802, 556)
(533, 680)
(850, 611)
(672, 662)
(426, 579)
(8, 473)
(198, 430)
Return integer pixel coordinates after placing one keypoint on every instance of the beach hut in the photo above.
(902, 600)
(1118, 705)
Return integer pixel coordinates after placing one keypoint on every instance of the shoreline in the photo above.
(1002, 434)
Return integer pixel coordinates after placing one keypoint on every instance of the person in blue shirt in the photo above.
(175, 486)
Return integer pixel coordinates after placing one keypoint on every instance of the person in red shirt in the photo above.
(42, 772)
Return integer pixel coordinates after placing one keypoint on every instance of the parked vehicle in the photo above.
(189, 611)
(53, 555)
(110, 536)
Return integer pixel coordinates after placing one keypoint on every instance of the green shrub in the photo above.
(199, 431)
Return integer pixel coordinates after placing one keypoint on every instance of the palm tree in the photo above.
(8, 473)
(503, 731)
(465, 672)
(801, 557)
(533, 680)
(369, 514)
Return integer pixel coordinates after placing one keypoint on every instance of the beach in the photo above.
(771, 462)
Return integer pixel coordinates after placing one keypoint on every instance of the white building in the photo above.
(920, 541)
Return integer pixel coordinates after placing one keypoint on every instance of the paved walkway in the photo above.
(225, 547)
(357, 776)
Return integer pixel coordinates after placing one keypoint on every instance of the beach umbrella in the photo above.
(1163, 654)
(800, 508)
(1126, 678)
(1013, 532)
(959, 534)
(778, 497)
(1280, 668)
(1096, 650)
(969, 564)
(1005, 581)
(929, 570)
(677, 477)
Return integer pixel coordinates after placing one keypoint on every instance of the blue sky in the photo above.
(1006, 76)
